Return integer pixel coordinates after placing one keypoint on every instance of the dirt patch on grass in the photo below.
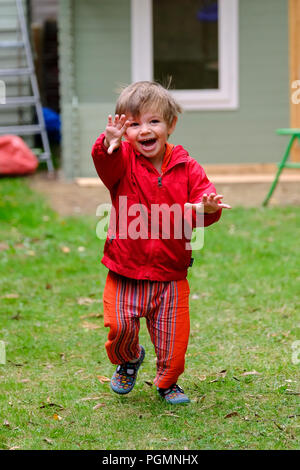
(68, 198)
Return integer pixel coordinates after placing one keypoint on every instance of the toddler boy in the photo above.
(148, 268)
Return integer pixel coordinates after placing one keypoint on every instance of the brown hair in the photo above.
(137, 96)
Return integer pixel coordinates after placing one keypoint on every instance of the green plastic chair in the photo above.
(294, 133)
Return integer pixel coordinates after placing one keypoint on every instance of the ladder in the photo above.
(22, 43)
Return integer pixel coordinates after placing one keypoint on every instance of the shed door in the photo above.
(294, 45)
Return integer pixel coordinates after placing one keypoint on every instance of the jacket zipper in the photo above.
(110, 240)
(152, 250)
(159, 183)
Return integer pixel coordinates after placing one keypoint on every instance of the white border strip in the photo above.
(141, 40)
(226, 97)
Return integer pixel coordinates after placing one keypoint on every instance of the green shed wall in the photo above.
(100, 59)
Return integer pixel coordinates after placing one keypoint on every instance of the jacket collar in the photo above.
(178, 155)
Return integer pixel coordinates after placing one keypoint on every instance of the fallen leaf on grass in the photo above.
(202, 398)
(49, 405)
(205, 294)
(251, 291)
(102, 379)
(99, 405)
(195, 297)
(10, 296)
(150, 384)
(90, 326)
(62, 356)
(4, 246)
(92, 315)
(173, 415)
(202, 377)
(14, 448)
(57, 417)
(251, 372)
(48, 286)
(86, 301)
(170, 413)
(65, 249)
(15, 363)
(48, 441)
(90, 398)
(17, 316)
(19, 245)
(222, 373)
(292, 392)
(231, 415)
(278, 426)
(34, 240)
(25, 380)
(30, 253)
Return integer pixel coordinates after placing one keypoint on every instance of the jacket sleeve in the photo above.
(199, 184)
(110, 168)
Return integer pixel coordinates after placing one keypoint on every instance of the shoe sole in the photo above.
(173, 402)
(124, 392)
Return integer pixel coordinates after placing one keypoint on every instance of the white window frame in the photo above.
(226, 96)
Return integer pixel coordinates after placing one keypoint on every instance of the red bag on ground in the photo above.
(16, 158)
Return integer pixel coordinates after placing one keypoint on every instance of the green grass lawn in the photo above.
(240, 375)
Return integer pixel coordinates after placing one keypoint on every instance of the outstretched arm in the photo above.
(109, 154)
(114, 132)
(209, 204)
(202, 195)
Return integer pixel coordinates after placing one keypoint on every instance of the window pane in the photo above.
(185, 43)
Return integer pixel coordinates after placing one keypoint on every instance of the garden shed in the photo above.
(228, 59)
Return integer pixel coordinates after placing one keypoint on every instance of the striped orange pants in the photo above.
(165, 305)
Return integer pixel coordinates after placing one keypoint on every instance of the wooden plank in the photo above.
(88, 182)
(240, 168)
(286, 176)
(236, 179)
(294, 59)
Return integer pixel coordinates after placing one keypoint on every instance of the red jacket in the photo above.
(126, 173)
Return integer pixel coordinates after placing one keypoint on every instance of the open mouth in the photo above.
(147, 142)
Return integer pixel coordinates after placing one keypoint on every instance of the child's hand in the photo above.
(209, 204)
(114, 132)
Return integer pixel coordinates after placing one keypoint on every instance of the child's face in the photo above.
(148, 134)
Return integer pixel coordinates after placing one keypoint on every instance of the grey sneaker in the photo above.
(174, 395)
(124, 378)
